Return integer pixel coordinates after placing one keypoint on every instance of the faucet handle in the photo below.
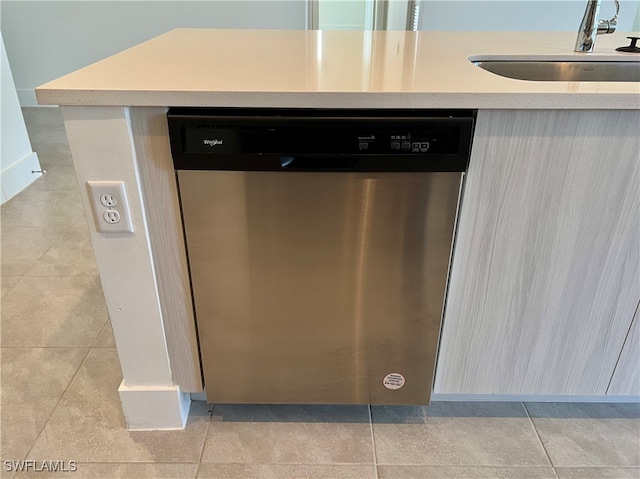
(607, 26)
(631, 48)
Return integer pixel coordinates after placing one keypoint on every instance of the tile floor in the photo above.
(60, 375)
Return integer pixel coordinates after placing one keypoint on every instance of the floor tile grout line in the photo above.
(535, 429)
(232, 463)
(39, 227)
(95, 341)
(487, 466)
(477, 466)
(14, 285)
(358, 464)
(373, 441)
(136, 462)
(30, 190)
(62, 235)
(204, 443)
(62, 275)
(55, 347)
(53, 410)
(90, 348)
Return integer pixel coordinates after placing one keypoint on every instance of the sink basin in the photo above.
(538, 70)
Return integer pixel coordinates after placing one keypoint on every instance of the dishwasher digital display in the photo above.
(347, 140)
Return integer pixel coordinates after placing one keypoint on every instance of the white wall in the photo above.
(520, 15)
(47, 39)
(17, 160)
(345, 14)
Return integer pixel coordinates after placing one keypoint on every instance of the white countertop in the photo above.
(291, 68)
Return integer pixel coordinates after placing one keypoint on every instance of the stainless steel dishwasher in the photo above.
(318, 244)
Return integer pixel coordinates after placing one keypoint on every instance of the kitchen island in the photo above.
(545, 278)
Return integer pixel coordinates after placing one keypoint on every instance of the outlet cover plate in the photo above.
(116, 188)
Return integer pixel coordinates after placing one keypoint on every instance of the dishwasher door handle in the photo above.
(318, 163)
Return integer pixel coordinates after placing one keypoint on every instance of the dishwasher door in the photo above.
(319, 287)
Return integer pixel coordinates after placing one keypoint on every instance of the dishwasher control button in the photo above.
(363, 145)
(395, 145)
(415, 145)
(406, 145)
(424, 147)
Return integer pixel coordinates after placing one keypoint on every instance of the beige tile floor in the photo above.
(60, 375)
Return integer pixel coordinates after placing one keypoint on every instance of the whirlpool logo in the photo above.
(213, 142)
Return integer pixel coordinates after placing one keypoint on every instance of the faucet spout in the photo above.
(590, 26)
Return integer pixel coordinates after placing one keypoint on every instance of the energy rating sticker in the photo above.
(393, 381)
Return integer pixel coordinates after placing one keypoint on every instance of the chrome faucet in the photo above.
(591, 26)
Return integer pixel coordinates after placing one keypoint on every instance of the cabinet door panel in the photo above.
(626, 378)
(545, 276)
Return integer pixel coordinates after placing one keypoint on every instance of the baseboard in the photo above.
(199, 396)
(533, 398)
(27, 98)
(19, 175)
(152, 408)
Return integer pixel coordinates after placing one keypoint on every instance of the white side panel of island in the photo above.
(102, 146)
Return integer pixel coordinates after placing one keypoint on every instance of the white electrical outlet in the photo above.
(110, 206)
(111, 216)
(108, 199)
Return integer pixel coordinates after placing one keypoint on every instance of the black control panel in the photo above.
(240, 139)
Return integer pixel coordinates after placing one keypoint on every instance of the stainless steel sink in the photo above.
(597, 71)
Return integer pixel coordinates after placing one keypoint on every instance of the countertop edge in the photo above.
(339, 69)
(265, 99)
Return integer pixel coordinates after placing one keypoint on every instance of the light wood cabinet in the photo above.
(545, 277)
(626, 378)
